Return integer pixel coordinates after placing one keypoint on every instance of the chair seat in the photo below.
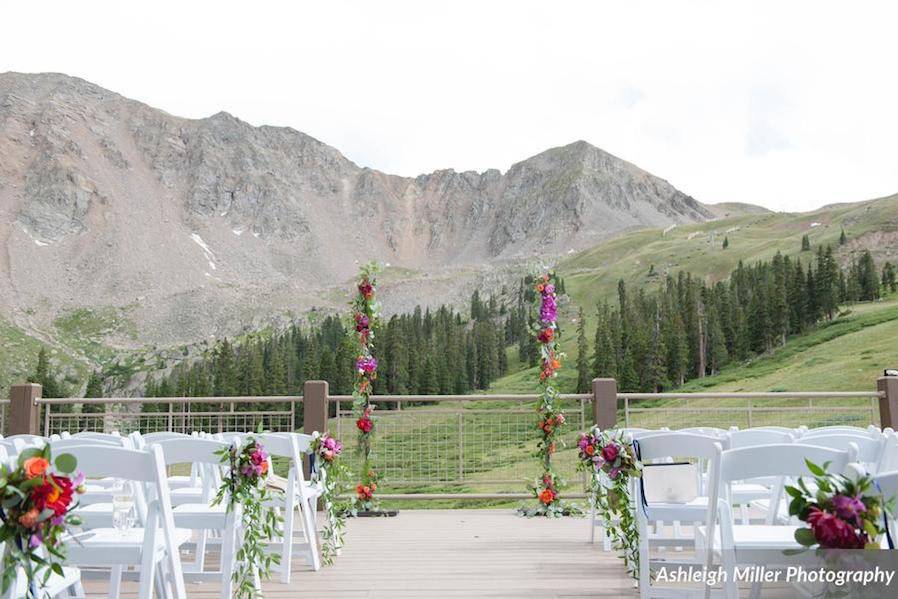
(179, 482)
(110, 546)
(756, 536)
(742, 493)
(56, 585)
(695, 510)
(186, 495)
(198, 516)
(95, 515)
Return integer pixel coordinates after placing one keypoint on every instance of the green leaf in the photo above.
(66, 463)
(28, 453)
(814, 468)
(805, 537)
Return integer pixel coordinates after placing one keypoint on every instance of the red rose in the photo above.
(832, 532)
(54, 493)
(364, 424)
(610, 452)
(547, 496)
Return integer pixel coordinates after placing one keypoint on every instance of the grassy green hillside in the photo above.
(642, 259)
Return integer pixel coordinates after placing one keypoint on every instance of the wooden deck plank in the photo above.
(453, 553)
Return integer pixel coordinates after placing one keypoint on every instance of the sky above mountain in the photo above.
(787, 105)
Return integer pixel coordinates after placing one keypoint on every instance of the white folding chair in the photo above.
(661, 450)
(744, 493)
(203, 517)
(154, 546)
(297, 494)
(735, 542)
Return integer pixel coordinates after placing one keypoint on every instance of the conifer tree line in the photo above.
(688, 329)
(422, 353)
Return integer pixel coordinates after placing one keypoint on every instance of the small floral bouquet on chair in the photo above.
(35, 514)
(244, 483)
(611, 462)
(842, 513)
(331, 474)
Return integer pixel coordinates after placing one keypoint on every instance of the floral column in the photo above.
(365, 319)
(551, 417)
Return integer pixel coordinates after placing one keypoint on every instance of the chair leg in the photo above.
(200, 560)
(228, 557)
(592, 523)
(115, 582)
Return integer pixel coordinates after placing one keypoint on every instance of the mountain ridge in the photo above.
(201, 227)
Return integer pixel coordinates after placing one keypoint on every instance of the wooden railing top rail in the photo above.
(166, 400)
(754, 395)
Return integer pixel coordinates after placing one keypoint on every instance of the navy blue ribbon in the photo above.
(645, 504)
(885, 519)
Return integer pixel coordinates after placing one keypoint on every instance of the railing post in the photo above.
(314, 411)
(24, 412)
(888, 402)
(604, 403)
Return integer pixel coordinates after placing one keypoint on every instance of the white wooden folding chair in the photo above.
(744, 493)
(662, 449)
(203, 517)
(738, 544)
(153, 547)
(298, 494)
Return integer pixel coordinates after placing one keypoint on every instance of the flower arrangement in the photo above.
(550, 419)
(244, 484)
(35, 514)
(843, 513)
(331, 473)
(610, 461)
(365, 318)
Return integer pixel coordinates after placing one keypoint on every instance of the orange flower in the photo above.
(552, 447)
(265, 467)
(556, 364)
(29, 518)
(35, 466)
(590, 450)
(547, 496)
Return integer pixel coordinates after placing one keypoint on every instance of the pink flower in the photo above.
(366, 365)
(610, 452)
(35, 541)
(583, 442)
(832, 532)
(614, 472)
(330, 443)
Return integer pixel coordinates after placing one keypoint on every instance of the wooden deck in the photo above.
(425, 554)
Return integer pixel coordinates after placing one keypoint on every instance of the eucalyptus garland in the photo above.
(244, 484)
(611, 463)
(331, 473)
(551, 419)
(365, 320)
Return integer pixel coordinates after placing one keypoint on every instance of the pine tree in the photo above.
(842, 238)
(805, 243)
(869, 278)
(428, 385)
(726, 242)
(583, 381)
(225, 371)
(889, 281)
(44, 376)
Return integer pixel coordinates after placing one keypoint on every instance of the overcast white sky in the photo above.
(788, 104)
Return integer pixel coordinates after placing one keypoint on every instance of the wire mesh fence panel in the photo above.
(460, 444)
(181, 416)
(742, 412)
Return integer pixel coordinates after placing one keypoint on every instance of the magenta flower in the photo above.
(366, 364)
(610, 452)
(614, 472)
(848, 508)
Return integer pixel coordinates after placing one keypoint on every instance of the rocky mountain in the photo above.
(191, 228)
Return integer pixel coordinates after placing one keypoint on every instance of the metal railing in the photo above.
(177, 414)
(475, 443)
(450, 446)
(746, 410)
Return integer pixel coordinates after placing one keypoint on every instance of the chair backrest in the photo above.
(869, 450)
(199, 452)
(94, 435)
(785, 459)
(704, 430)
(837, 430)
(677, 444)
(76, 441)
(757, 436)
(149, 438)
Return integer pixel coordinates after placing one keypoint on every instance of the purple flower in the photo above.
(848, 508)
(78, 480)
(330, 443)
(57, 520)
(583, 442)
(548, 289)
(366, 364)
(548, 311)
(35, 541)
(613, 473)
